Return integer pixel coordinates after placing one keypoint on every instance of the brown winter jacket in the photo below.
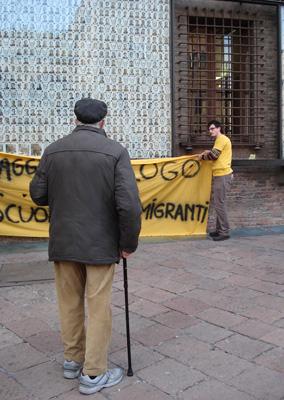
(88, 183)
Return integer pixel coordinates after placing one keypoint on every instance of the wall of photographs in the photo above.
(54, 52)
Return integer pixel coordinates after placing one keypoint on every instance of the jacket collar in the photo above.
(89, 128)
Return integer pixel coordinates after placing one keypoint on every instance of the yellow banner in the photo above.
(174, 192)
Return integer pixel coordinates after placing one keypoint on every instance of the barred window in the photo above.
(219, 75)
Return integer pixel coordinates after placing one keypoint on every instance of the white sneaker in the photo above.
(109, 378)
(71, 369)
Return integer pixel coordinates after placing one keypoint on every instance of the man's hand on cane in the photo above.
(125, 254)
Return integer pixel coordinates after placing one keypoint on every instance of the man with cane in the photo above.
(88, 183)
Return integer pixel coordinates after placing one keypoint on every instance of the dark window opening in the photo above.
(219, 75)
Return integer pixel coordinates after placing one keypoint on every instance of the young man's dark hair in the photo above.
(216, 123)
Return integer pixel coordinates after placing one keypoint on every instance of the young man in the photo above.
(221, 155)
(88, 183)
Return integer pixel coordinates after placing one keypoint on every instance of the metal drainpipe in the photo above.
(280, 77)
(172, 73)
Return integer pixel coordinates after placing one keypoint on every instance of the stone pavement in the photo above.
(207, 322)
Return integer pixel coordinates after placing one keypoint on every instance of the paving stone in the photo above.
(20, 356)
(263, 314)
(222, 253)
(236, 281)
(147, 308)
(136, 322)
(233, 305)
(175, 262)
(48, 342)
(75, 395)
(207, 271)
(27, 327)
(145, 277)
(206, 296)
(220, 365)
(267, 287)
(154, 294)
(243, 346)
(279, 323)
(269, 301)
(272, 359)
(221, 318)
(9, 311)
(186, 305)
(210, 262)
(22, 271)
(170, 376)
(31, 294)
(139, 391)
(261, 382)
(8, 338)
(118, 342)
(252, 328)
(273, 276)
(47, 311)
(24, 255)
(141, 357)
(275, 337)
(133, 286)
(59, 357)
(240, 280)
(12, 390)
(45, 380)
(214, 390)
(243, 293)
(117, 310)
(211, 284)
(173, 287)
(183, 348)
(175, 319)
(188, 278)
(162, 272)
(118, 298)
(208, 332)
(154, 335)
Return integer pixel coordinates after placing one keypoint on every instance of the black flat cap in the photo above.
(90, 111)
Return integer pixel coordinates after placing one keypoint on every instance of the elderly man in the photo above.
(88, 183)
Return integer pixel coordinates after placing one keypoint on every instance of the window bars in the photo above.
(219, 75)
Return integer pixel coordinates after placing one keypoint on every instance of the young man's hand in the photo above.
(203, 154)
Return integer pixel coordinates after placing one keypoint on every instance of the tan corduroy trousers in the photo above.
(74, 281)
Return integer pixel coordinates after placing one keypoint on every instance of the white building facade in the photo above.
(54, 52)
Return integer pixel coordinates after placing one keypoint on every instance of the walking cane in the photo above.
(129, 371)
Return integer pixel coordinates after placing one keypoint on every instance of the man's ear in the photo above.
(102, 124)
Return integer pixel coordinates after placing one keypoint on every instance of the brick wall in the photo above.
(267, 56)
(256, 198)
